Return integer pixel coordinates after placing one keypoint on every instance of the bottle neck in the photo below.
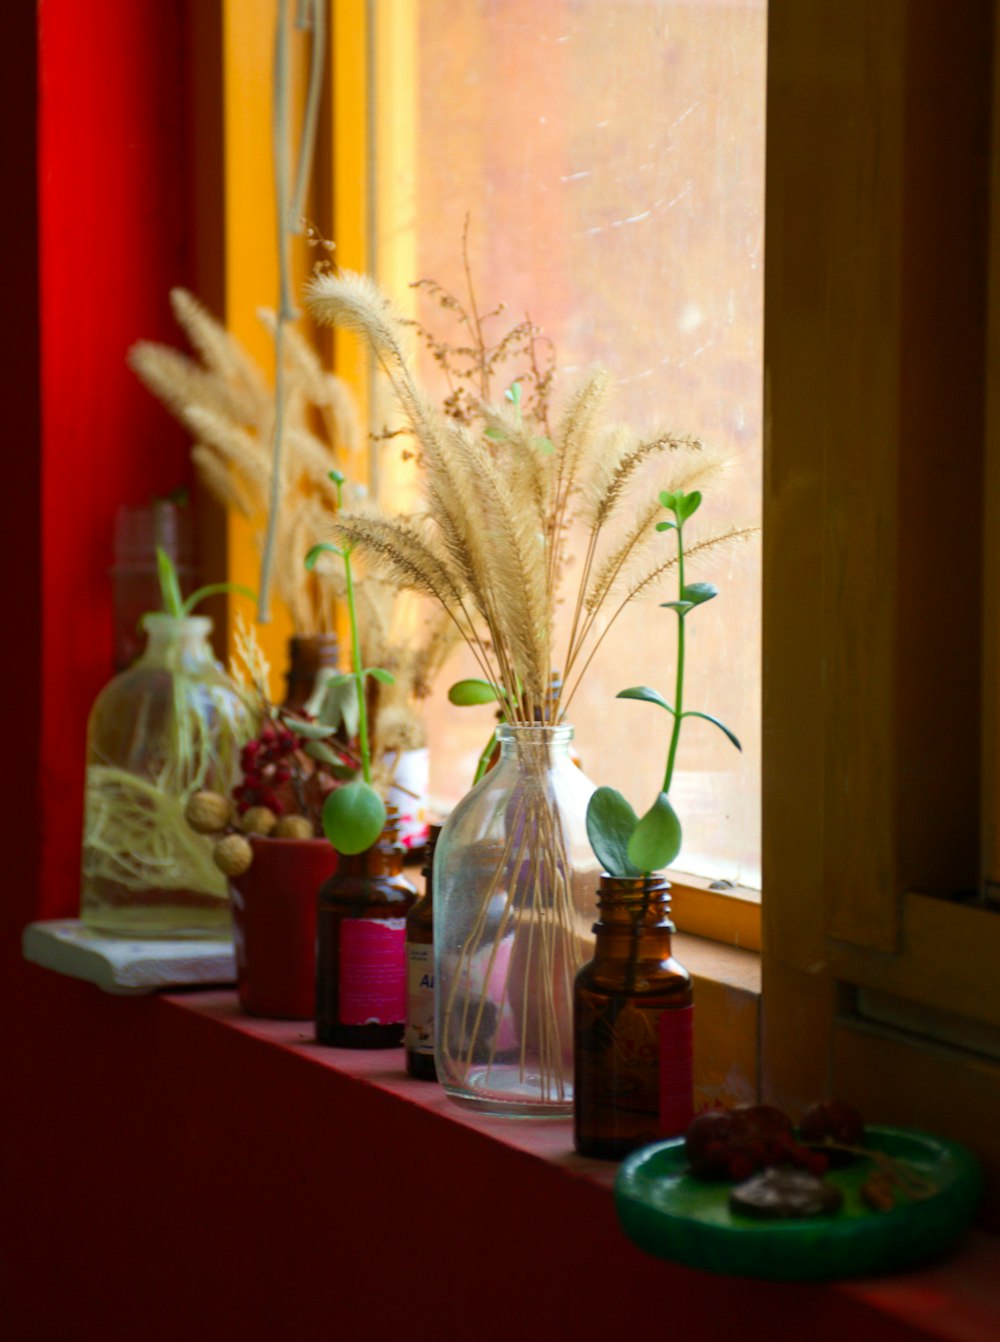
(427, 870)
(309, 653)
(538, 743)
(308, 656)
(177, 642)
(630, 908)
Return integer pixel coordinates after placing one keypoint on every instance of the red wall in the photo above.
(113, 236)
(94, 141)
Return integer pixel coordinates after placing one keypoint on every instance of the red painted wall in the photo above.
(113, 195)
(96, 226)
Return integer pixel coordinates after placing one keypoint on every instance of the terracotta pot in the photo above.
(274, 926)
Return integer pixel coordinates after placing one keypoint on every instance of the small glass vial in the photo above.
(361, 947)
(420, 973)
(632, 1025)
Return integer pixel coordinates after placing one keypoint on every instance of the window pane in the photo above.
(610, 154)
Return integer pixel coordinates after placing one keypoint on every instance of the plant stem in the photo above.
(482, 764)
(679, 692)
(359, 680)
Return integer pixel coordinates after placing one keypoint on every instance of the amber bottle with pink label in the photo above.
(632, 1018)
(361, 947)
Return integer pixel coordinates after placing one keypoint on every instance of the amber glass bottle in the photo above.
(361, 947)
(308, 655)
(632, 1025)
(420, 973)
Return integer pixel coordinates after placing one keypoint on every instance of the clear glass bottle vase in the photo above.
(514, 882)
(171, 724)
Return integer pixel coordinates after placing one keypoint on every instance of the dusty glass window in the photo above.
(610, 155)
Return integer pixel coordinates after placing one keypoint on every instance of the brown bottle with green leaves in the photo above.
(419, 1037)
(361, 946)
(632, 1019)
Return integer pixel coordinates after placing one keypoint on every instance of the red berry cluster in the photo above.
(734, 1143)
(264, 769)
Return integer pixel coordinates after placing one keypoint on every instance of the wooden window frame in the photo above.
(880, 470)
(875, 350)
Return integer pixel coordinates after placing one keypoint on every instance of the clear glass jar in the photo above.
(170, 725)
(514, 882)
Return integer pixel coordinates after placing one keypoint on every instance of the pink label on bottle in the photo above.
(676, 1071)
(372, 987)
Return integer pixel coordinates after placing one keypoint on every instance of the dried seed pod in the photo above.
(232, 855)
(208, 812)
(878, 1193)
(258, 820)
(292, 827)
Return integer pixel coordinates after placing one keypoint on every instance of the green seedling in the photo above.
(353, 815)
(624, 843)
(170, 589)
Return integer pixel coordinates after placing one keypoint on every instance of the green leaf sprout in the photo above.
(353, 815)
(624, 845)
(170, 589)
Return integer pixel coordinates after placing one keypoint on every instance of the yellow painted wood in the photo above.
(242, 275)
(874, 356)
(726, 1020)
(394, 257)
(251, 254)
(732, 918)
(951, 960)
(208, 279)
(351, 173)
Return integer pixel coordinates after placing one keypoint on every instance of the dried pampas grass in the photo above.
(502, 498)
(225, 403)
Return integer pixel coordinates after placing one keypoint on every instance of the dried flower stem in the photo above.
(288, 213)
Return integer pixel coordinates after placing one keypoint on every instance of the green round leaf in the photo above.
(353, 817)
(466, 693)
(610, 824)
(381, 675)
(338, 477)
(688, 504)
(696, 593)
(656, 840)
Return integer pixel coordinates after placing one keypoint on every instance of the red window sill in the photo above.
(541, 1204)
(177, 1169)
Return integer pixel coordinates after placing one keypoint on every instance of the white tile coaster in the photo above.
(124, 966)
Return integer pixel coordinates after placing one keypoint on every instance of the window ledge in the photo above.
(127, 966)
(955, 1301)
